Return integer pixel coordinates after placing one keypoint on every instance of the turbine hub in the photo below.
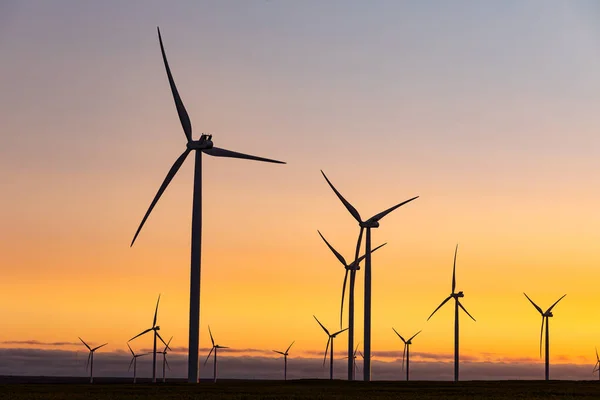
(549, 314)
(369, 224)
(157, 328)
(205, 142)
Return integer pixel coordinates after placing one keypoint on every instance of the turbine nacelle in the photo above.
(370, 223)
(548, 314)
(205, 142)
(457, 295)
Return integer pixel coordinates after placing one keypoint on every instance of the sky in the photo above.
(485, 110)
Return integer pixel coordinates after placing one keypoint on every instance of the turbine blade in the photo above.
(399, 335)
(348, 206)
(454, 270)
(597, 357)
(96, 348)
(413, 336)
(357, 262)
(167, 362)
(440, 306)
(162, 188)
(326, 348)
(325, 329)
(131, 363)
(361, 354)
(382, 214)
(343, 296)
(211, 336)
(403, 354)
(338, 255)
(338, 332)
(183, 116)
(88, 361)
(132, 353)
(86, 345)
(541, 335)
(595, 365)
(222, 347)
(290, 346)
(555, 303)
(168, 343)
(140, 334)
(217, 152)
(209, 353)
(356, 349)
(535, 305)
(358, 243)
(161, 339)
(156, 312)
(279, 352)
(465, 310)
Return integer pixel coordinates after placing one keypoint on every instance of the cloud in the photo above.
(39, 343)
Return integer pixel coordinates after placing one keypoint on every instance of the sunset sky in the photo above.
(486, 110)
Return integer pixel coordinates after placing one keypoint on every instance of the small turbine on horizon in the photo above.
(90, 360)
(457, 304)
(597, 365)
(352, 268)
(545, 316)
(354, 357)
(155, 328)
(406, 351)
(134, 358)
(369, 224)
(285, 355)
(330, 339)
(204, 145)
(214, 347)
(165, 362)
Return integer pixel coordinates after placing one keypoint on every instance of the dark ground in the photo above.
(17, 388)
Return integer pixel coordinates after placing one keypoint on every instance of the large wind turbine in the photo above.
(154, 328)
(214, 347)
(165, 362)
(134, 358)
(457, 304)
(204, 145)
(372, 222)
(597, 365)
(545, 316)
(352, 268)
(406, 351)
(285, 355)
(330, 339)
(90, 360)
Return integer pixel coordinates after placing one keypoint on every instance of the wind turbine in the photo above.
(90, 360)
(330, 339)
(354, 356)
(165, 362)
(154, 328)
(134, 358)
(352, 268)
(215, 347)
(372, 222)
(545, 316)
(406, 351)
(457, 304)
(597, 365)
(204, 145)
(285, 355)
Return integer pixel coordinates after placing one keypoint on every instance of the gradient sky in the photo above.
(487, 110)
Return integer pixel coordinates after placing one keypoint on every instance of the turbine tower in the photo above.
(406, 351)
(372, 222)
(597, 365)
(134, 358)
(352, 268)
(545, 316)
(214, 347)
(90, 360)
(165, 362)
(154, 328)
(204, 145)
(457, 304)
(330, 339)
(285, 355)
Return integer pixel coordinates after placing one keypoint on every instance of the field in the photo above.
(75, 389)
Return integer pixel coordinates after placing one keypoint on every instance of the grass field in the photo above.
(301, 389)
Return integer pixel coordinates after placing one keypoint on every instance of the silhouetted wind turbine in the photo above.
(154, 328)
(90, 360)
(204, 145)
(285, 355)
(215, 347)
(457, 304)
(330, 339)
(354, 356)
(165, 362)
(352, 268)
(406, 351)
(372, 222)
(597, 365)
(134, 358)
(545, 316)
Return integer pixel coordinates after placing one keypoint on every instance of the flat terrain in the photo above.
(74, 389)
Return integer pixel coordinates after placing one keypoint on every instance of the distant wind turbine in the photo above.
(457, 304)
(352, 268)
(285, 355)
(90, 360)
(215, 347)
(545, 316)
(155, 328)
(353, 358)
(597, 365)
(204, 145)
(406, 351)
(330, 339)
(372, 222)
(134, 358)
(165, 362)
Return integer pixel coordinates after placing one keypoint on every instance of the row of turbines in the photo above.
(205, 145)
